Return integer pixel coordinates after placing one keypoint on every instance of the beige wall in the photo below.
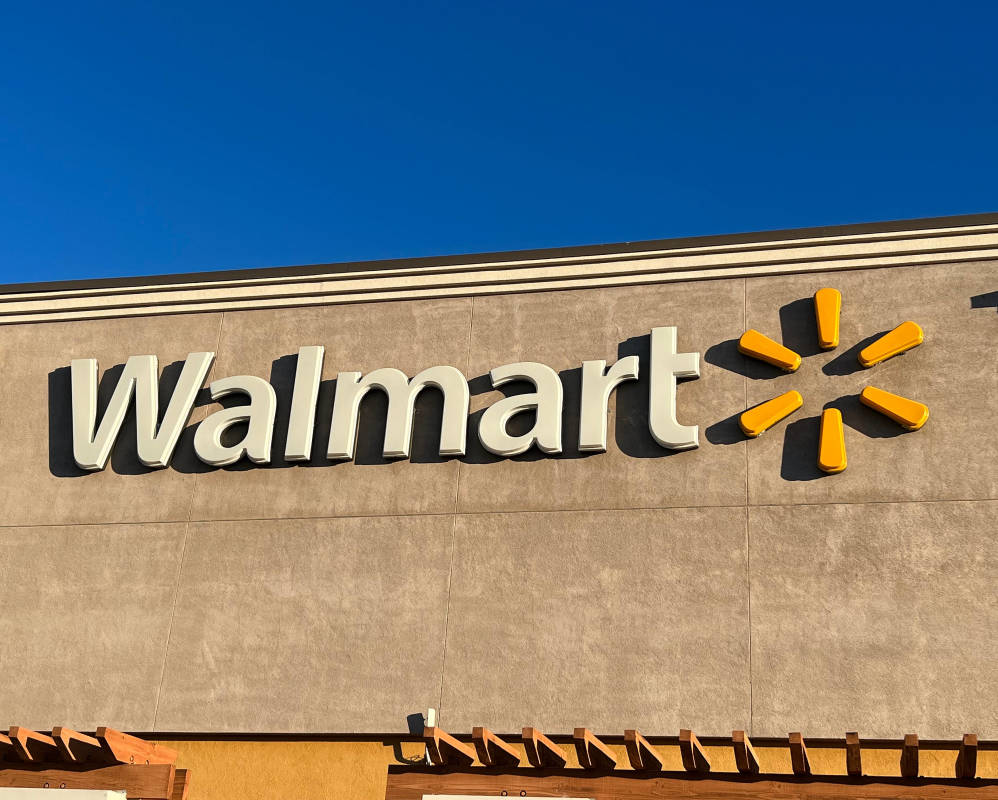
(728, 587)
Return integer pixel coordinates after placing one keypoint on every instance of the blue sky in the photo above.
(142, 138)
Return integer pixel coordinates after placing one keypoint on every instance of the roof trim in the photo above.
(900, 243)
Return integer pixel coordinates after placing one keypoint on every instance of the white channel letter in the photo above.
(141, 377)
(260, 412)
(304, 396)
(547, 401)
(596, 390)
(351, 388)
(666, 366)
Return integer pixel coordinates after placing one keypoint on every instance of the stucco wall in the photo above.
(733, 586)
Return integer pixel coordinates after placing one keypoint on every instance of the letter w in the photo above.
(141, 378)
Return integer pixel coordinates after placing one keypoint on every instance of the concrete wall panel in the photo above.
(86, 617)
(878, 618)
(601, 619)
(308, 625)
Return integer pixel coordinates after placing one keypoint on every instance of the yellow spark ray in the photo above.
(904, 337)
(832, 442)
(908, 413)
(765, 415)
(827, 307)
(754, 344)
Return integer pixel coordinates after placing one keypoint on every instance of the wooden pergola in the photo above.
(108, 760)
(486, 764)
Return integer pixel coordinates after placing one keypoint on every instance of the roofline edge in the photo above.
(578, 251)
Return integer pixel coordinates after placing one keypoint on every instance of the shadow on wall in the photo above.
(799, 327)
(631, 432)
(847, 363)
(987, 300)
(727, 356)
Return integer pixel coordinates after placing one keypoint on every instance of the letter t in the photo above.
(666, 366)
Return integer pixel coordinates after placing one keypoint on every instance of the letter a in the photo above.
(547, 402)
(260, 412)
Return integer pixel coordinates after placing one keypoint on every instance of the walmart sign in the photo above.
(157, 439)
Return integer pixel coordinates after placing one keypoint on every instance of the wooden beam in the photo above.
(413, 783)
(745, 757)
(694, 758)
(643, 757)
(33, 746)
(6, 746)
(798, 755)
(444, 750)
(181, 785)
(854, 755)
(155, 782)
(75, 746)
(592, 753)
(121, 748)
(966, 761)
(541, 751)
(909, 756)
(493, 751)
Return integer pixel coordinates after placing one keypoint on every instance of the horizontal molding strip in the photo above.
(817, 255)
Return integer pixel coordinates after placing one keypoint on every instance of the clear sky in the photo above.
(150, 137)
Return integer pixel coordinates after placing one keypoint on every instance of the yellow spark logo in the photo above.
(909, 414)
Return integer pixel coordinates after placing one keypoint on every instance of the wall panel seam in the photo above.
(169, 629)
(748, 535)
(447, 605)
(180, 567)
(446, 513)
(467, 369)
(748, 588)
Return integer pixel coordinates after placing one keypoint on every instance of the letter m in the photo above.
(140, 378)
(351, 388)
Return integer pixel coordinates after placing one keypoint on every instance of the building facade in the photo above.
(268, 594)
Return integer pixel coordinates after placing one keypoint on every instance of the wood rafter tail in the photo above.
(694, 758)
(493, 751)
(798, 755)
(444, 750)
(33, 746)
(122, 748)
(592, 753)
(909, 756)
(745, 758)
(854, 755)
(77, 747)
(966, 760)
(541, 751)
(642, 756)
